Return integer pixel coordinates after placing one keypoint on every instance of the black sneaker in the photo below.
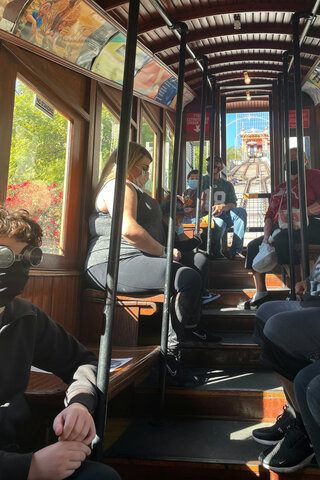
(290, 454)
(272, 435)
(253, 304)
(198, 335)
(178, 375)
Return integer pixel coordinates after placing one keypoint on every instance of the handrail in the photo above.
(172, 25)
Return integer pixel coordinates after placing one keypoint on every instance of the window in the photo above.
(109, 136)
(168, 158)
(38, 161)
(149, 141)
(192, 154)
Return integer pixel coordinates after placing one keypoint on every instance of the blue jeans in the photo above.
(237, 217)
(95, 471)
(307, 392)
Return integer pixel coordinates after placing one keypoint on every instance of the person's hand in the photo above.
(300, 288)
(197, 236)
(58, 461)
(75, 423)
(176, 255)
(217, 210)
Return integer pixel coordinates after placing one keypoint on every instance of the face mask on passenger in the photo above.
(294, 167)
(193, 184)
(142, 179)
(12, 282)
(179, 230)
(14, 271)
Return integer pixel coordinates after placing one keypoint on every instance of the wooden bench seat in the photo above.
(48, 389)
(127, 313)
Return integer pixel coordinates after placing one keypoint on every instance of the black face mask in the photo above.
(12, 282)
(294, 167)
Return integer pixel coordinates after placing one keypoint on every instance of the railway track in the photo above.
(252, 176)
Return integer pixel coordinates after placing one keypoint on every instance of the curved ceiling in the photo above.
(265, 34)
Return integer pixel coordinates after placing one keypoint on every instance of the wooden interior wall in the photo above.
(57, 285)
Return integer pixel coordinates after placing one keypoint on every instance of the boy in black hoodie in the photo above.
(29, 337)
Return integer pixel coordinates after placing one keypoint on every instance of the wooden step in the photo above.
(227, 319)
(232, 394)
(240, 280)
(232, 296)
(192, 449)
(233, 350)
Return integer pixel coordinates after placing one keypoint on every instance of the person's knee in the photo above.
(313, 397)
(276, 329)
(187, 278)
(266, 311)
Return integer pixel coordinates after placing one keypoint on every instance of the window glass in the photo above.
(192, 156)
(109, 136)
(168, 158)
(38, 160)
(149, 141)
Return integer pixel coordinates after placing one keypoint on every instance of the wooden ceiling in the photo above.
(266, 32)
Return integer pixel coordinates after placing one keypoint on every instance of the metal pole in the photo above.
(172, 219)
(157, 5)
(280, 122)
(211, 163)
(113, 260)
(301, 165)
(292, 294)
(224, 130)
(271, 126)
(202, 139)
(310, 17)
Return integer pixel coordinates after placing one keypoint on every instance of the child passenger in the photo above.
(29, 337)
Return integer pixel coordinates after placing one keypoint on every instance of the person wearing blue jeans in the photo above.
(225, 212)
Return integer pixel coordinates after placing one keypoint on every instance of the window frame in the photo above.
(69, 260)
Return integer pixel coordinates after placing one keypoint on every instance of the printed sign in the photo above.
(193, 123)
(292, 119)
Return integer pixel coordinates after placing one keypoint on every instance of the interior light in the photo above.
(247, 79)
(236, 22)
(248, 96)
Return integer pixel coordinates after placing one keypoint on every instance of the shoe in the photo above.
(208, 297)
(237, 256)
(253, 304)
(272, 435)
(290, 454)
(198, 335)
(177, 374)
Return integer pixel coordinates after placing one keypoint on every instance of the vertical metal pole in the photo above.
(202, 138)
(113, 260)
(301, 166)
(271, 127)
(280, 122)
(172, 219)
(212, 131)
(224, 130)
(292, 294)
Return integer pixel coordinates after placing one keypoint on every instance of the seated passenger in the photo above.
(29, 337)
(142, 264)
(278, 207)
(289, 333)
(225, 213)
(189, 198)
(186, 245)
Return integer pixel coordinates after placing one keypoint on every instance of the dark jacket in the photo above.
(29, 337)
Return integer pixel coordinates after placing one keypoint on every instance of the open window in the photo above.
(39, 159)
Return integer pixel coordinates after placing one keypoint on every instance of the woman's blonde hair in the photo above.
(136, 153)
